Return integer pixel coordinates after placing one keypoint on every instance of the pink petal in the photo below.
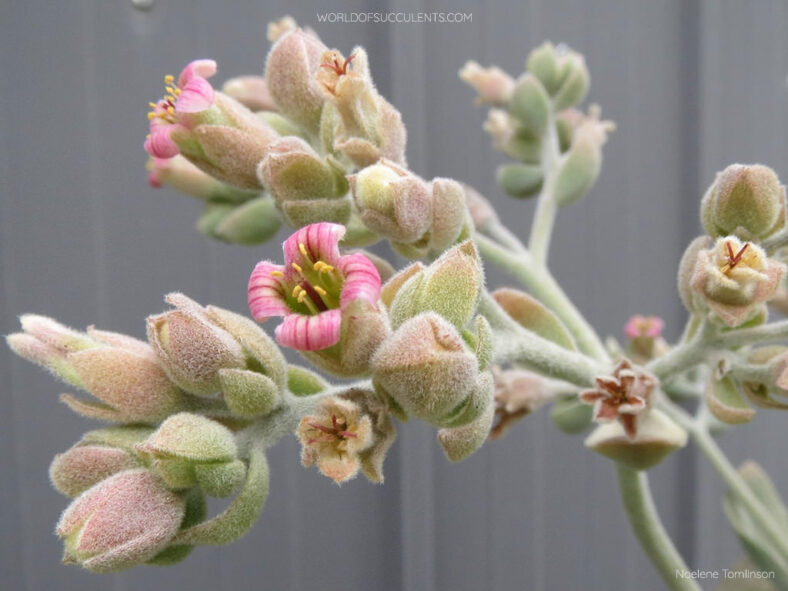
(158, 143)
(591, 396)
(196, 68)
(265, 292)
(605, 412)
(362, 280)
(310, 333)
(196, 95)
(321, 241)
(153, 180)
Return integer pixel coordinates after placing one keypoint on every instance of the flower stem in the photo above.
(545, 288)
(546, 207)
(643, 516)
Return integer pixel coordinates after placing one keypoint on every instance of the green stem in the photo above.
(546, 207)
(545, 288)
(683, 356)
(643, 516)
(776, 331)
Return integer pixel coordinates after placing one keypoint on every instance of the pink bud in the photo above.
(120, 522)
(82, 466)
(493, 84)
(250, 91)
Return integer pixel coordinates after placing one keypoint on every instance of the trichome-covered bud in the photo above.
(563, 73)
(120, 371)
(290, 71)
(656, 438)
(530, 105)
(334, 438)
(251, 91)
(481, 212)
(120, 522)
(510, 138)
(185, 177)
(329, 301)
(625, 395)
(450, 286)
(533, 315)
(645, 338)
(460, 442)
(428, 371)
(517, 394)
(357, 121)
(735, 278)
(745, 200)
(249, 223)
(392, 201)
(189, 449)
(213, 131)
(307, 188)
(493, 85)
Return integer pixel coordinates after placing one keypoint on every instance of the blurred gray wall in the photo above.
(693, 87)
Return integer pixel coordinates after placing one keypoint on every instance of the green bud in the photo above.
(658, 436)
(571, 415)
(580, 168)
(725, 401)
(220, 479)
(543, 64)
(450, 286)
(254, 222)
(521, 180)
(212, 216)
(530, 104)
(191, 437)
(745, 200)
(248, 393)
(575, 81)
(532, 315)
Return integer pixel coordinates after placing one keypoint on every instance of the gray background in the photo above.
(693, 87)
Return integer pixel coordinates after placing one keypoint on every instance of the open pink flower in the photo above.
(644, 326)
(312, 288)
(192, 94)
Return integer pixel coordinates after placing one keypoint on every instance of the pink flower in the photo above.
(312, 288)
(192, 94)
(644, 326)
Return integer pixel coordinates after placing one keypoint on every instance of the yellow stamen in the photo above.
(301, 297)
(152, 105)
(322, 267)
(177, 92)
(302, 249)
(297, 267)
(171, 110)
(297, 290)
(152, 115)
(169, 89)
(169, 79)
(319, 290)
(277, 274)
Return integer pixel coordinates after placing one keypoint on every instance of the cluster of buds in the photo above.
(420, 218)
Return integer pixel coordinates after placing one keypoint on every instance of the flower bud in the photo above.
(364, 126)
(461, 442)
(645, 338)
(493, 84)
(510, 138)
(530, 104)
(425, 368)
(532, 315)
(563, 73)
(185, 177)
(479, 208)
(692, 300)
(191, 348)
(520, 180)
(120, 522)
(251, 92)
(253, 222)
(306, 187)
(745, 200)
(392, 287)
(450, 218)
(82, 466)
(542, 62)
(451, 286)
(303, 382)
(248, 393)
(392, 201)
(734, 279)
(657, 437)
(290, 71)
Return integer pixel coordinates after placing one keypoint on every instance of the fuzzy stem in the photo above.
(643, 516)
(546, 206)
(545, 288)
(683, 356)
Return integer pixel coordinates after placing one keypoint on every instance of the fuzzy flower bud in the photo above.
(645, 337)
(563, 73)
(249, 223)
(185, 177)
(481, 212)
(734, 279)
(357, 121)
(450, 286)
(493, 85)
(290, 71)
(426, 368)
(533, 315)
(85, 465)
(510, 138)
(120, 522)
(121, 372)
(530, 105)
(745, 200)
(307, 188)
(251, 92)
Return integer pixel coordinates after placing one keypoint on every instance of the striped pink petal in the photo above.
(362, 280)
(321, 241)
(196, 95)
(266, 292)
(158, 143)
(310, 333)
(196, 68)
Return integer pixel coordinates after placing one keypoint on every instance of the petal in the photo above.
(591, 396)
(310, 333)
(605, 412)
(362, 280)
(265, 292)
(158, 143)
(321, 241)
(196, 95)
(196, 68)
